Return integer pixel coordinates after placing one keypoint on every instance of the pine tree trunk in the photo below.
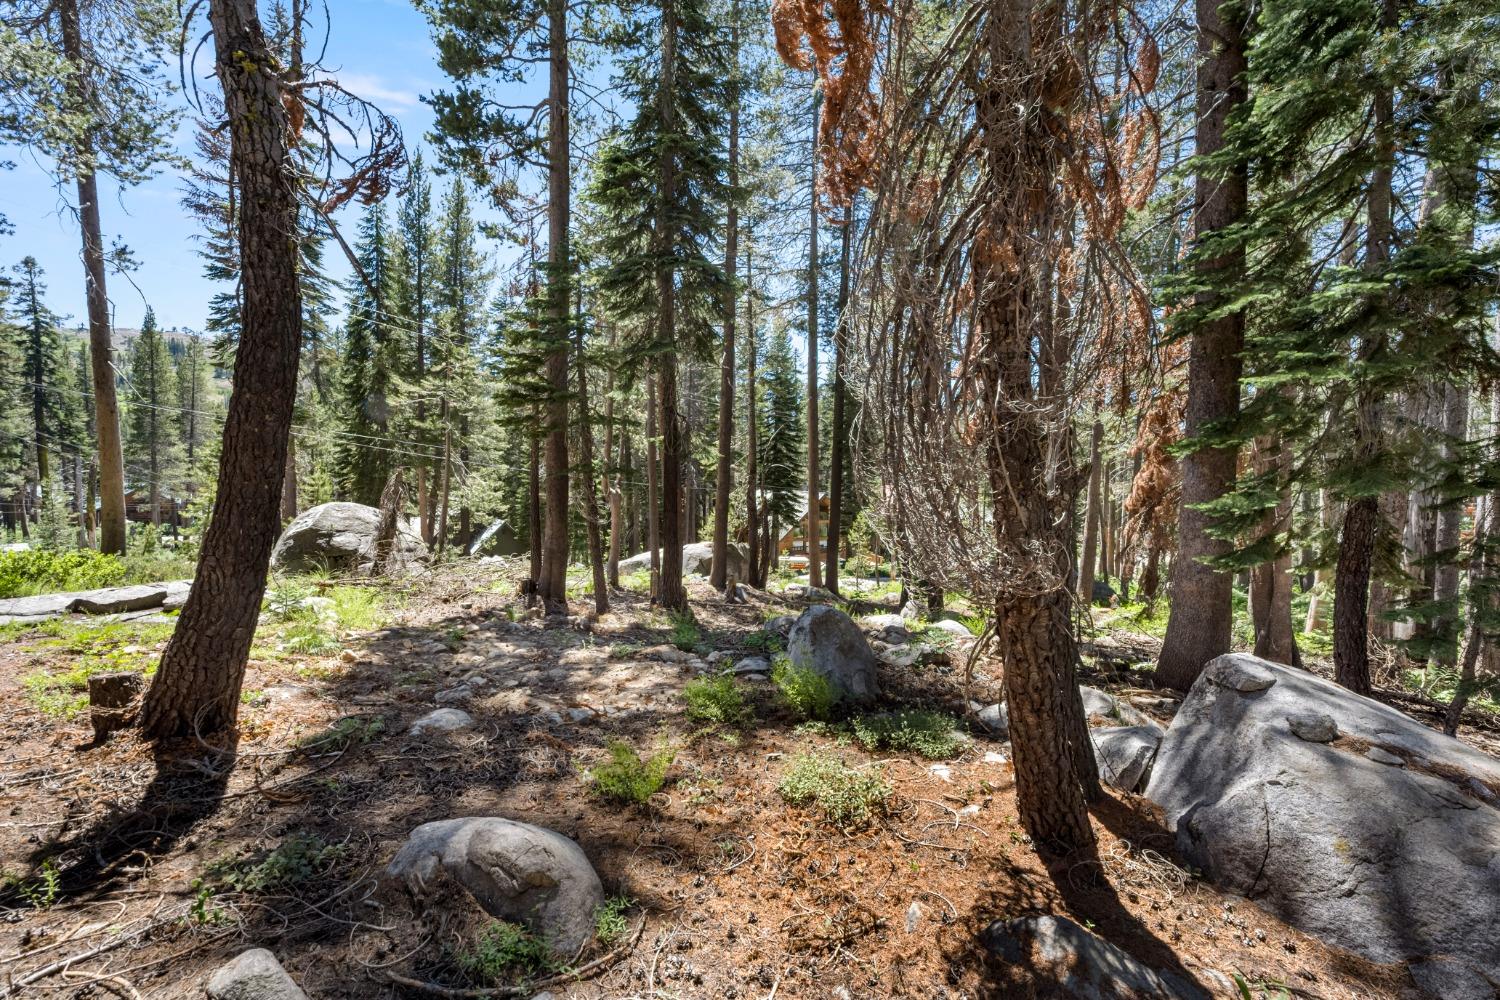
(1198, 628)
(591, 501)
(670, 592)
(106, 406)
(838, 446)
(197, 687)
(289, 485)
(673, 595)
(653, 498)
(1317, 604)
(723, 480)
(534, 514)
(752, 444)
(1363, 516)
(814, 532)
(1090, 521)
(1449, 525)
(1271, 582)
(554, 577)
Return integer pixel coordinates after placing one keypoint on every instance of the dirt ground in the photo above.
(133, 877)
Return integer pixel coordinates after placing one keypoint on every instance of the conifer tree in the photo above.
(416, 264)
(152, 440)
(782, 435)
(370, 370)
(661, 188)
(46, 375)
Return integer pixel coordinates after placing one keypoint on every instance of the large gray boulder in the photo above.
(515, 871)
(1083, 966)
(697, 560)
(118, 600)
(253, 975)
(827, 641)
(1395, 863)
(1125, 754)
(341, 536)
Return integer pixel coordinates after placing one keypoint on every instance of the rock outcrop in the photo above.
(827, 641)
(515, 871)
(1394, 861)
(341, 536)
(1078, 964)
(253, 975)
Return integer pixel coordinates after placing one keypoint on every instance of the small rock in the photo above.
(991, 757)
(1056, 950)
(454, 695)
(718, 655)
(1382, 756)
(579, 714)
(995, 718)
(253, 975)
(1315, 727)
(442, 720)
(826, 641)
(756, 678)
(1239, 672)
(911, 611)
(942, 771)
(348, 656)
(913, 917)
(752, 665)
(958, 630)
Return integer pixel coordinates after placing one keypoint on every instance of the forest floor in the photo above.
(129, 876)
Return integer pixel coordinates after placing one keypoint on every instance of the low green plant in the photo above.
(350, 731)
(929, 734)
(846, 796)
(807, 692)
(64, 695)
(41, 571)
(202, 912)
(639, 581)
(357, 609)
(610, 924)
(626, 777)
(39, 892)
(300, 857)
(715, 699)
(504, 951)
(685, 634)
(309, 638)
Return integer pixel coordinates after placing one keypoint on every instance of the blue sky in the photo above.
(379, 49)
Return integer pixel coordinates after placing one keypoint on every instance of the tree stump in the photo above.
(114, 700)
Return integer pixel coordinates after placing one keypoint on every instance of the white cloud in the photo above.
(378, 92)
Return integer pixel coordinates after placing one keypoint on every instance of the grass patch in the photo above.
(715, 699)
(298, 859)
(65, 695)
(626, 777)
(808, 693)
(504, 951)
(639, 581)
(929, 734)
(685, 633)
(847, 797)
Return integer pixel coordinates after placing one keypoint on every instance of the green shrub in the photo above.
(807, 692)
(628, 778)
(64, 695)
(357, 609)
(846, 796)
(685, 634)
(503, 951)
(715, 699)
(39, 892)
(300, 857)
(610, 924)
(929, 734)
(38, 571)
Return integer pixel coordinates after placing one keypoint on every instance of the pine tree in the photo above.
(782, 434)
(661, 189)
(416, 264)
(55, 424)
(195, 422)
(370, 371)
(153, 445)
(14, 405)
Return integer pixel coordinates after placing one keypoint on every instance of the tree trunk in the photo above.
(1362, 518)
(1086, 561)
(1449, 524)
(197, 687)
(1198, 628)
(653, 499)
(836, 455)
(534, 513)
(1317, 603)
(101, 352)
(1271, 582)
(723, 480)
(554, 577)
(752, 444)
(814, 532)
(1484, 578)
(289, 485)
(591, 500)
(673, 595)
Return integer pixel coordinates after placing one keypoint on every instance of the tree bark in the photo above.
(534, 514)
(1086, 561)
(1362, 517)
(1271, 581)
(554, 574)
(838, 446)
(591, 501)
(814, 532)
(1198, 628)
(653, 498)
(289, 485)
(197, 687)
(101, 351)
(752, 443)
(723, 481)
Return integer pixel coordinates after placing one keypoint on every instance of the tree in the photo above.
(1198, 627)
(197, 687)
(478, 43)
(371, 366)
(781, 434)
(723, 476)
(660, 188)
(415, 262)
(151, 440)
(46, 376)
(105, 108)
